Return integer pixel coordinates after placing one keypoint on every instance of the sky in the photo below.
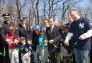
(82, 4)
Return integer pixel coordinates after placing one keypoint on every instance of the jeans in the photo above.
(25, 58)
(35, 56)
(13, 54)
(81, 56)
(42, 54)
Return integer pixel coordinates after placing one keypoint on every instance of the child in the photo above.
(35, 34)
(42, 48)
(12, 39)
(25, 50)
(65, 50)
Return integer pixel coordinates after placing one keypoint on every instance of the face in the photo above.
(37, 31)
(31, 27)
(23, 41)
(22, 22)
(66, 30)
(6, 18)
(62, 23)
(42, 33)
(46, 24)
(29, 42)
(51, 21)
(74, 15)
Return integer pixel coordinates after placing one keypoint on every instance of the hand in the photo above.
(29, 52)
(8, 40)
(81, 38)
(51, 41)
(16, 41)
(66, 43)
(60, 44)
(44, 44)
(29, 42)
(46, 41)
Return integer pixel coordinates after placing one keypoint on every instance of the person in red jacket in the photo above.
(12, 39)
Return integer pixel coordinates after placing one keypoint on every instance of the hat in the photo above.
(22, 19)
(66, 26)
(6, 15)
(37, 27)
(12, 27)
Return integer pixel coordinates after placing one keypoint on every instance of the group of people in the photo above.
(49, 43)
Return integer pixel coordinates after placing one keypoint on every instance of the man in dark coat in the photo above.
(22, 31)
(6, 23)
(53, 35)
(23, 28)
(5, 30)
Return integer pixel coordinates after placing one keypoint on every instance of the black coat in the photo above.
(22, 31)
(2, 41)
(35, 40)
(5, 27)
(53, 35)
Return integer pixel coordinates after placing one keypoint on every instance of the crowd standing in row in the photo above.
(49, 43)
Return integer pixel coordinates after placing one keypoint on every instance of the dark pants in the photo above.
(53, 53)
(4, 58)
(32, 58)
(1, 52)
(7, 55)
(74, 59)
(52, 57)
(91, 55)
(20, 61)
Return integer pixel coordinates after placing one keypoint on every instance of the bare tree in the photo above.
(19, 7)
(37, 12)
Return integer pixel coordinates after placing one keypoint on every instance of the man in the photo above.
(53, 35)
(22, 31)
(5, 30)
(23, 28)
(6, 23)
(46, 24)
(80, 31)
